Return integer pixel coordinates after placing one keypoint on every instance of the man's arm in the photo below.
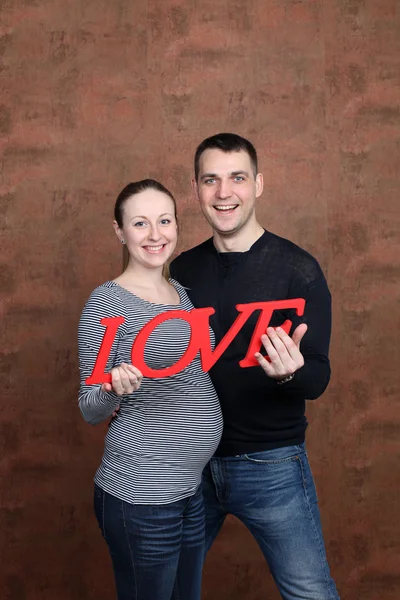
(300, 365)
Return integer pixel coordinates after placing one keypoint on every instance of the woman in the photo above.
(148, 500)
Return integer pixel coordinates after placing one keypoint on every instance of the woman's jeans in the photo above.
(273, 494)
(157, 551)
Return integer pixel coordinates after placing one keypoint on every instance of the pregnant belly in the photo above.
(167, 436)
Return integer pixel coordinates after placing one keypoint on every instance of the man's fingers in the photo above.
(277, 340)
(106, 387)
(277, 367)
(264, 364)
(269, 348)
(291, 351)
(283, 352)
(298, 333)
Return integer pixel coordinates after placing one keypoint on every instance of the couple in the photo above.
(156, 517)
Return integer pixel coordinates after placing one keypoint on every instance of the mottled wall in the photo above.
(96, 93)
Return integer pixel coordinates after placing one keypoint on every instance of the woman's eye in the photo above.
(139, 224)
(165, 221)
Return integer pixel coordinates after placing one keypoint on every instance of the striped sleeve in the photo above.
(95, 404)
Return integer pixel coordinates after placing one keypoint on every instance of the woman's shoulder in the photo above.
(104, 291)
(106, 296)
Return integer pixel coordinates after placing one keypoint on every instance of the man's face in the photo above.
(227, 190)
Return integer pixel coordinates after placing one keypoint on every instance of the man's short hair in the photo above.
(227, 142)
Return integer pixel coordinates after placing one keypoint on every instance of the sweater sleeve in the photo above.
(312, 379)
(96, 405)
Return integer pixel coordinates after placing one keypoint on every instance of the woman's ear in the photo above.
(118, 232)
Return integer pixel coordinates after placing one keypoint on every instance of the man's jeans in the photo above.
(157, 551)
(273, 494)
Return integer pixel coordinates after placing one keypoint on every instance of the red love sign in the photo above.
(198, 319)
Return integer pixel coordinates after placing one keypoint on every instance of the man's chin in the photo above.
(226, 230)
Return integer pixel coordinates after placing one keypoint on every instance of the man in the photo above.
(260, 472)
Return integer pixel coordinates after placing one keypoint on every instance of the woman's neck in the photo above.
(148, 284)
(143, 278)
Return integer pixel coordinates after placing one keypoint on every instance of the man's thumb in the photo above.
(299, 333)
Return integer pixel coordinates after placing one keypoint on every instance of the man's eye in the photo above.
(239, 178)
(209, 180)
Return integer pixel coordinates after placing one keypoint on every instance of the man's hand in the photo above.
(125, 380)
(283, 351)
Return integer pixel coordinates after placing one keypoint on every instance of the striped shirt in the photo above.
(164, 433)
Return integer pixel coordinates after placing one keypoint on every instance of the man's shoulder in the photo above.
(293, 256)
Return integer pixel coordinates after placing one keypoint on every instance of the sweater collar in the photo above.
(262, 240)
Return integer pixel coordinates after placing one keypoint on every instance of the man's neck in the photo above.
(239, 241)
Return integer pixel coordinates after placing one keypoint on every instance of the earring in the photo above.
(122, 241)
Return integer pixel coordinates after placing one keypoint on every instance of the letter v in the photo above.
(209, 357)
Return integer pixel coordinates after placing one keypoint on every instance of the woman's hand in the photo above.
(125, 380)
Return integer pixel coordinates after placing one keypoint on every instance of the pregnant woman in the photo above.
(148, 499)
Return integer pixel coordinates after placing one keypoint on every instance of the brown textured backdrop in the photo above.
(96, 93)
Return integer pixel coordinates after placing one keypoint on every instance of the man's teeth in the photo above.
(230, 207)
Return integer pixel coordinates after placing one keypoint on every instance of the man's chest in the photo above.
(224, 290)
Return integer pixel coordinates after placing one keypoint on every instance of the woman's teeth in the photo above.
(154, 248)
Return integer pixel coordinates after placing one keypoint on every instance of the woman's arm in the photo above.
(97, 402)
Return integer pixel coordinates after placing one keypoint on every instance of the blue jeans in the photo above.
(273, 494)
(157, 551)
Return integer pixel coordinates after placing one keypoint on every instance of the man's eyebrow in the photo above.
(232, 174)
(242, 172)
(205, 175)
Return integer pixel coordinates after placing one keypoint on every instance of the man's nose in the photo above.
(224, 189)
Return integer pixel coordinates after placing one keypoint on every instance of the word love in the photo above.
(198, 319)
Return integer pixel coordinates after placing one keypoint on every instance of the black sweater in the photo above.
(258, 413)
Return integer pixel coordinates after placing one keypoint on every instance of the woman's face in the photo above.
(149, 228)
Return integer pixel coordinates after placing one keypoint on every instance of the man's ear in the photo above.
(195, 188)
(259, 184)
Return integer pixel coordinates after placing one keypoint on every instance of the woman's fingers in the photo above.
(116, 410)
(136, 372)
(117, 384)
(126, 379)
